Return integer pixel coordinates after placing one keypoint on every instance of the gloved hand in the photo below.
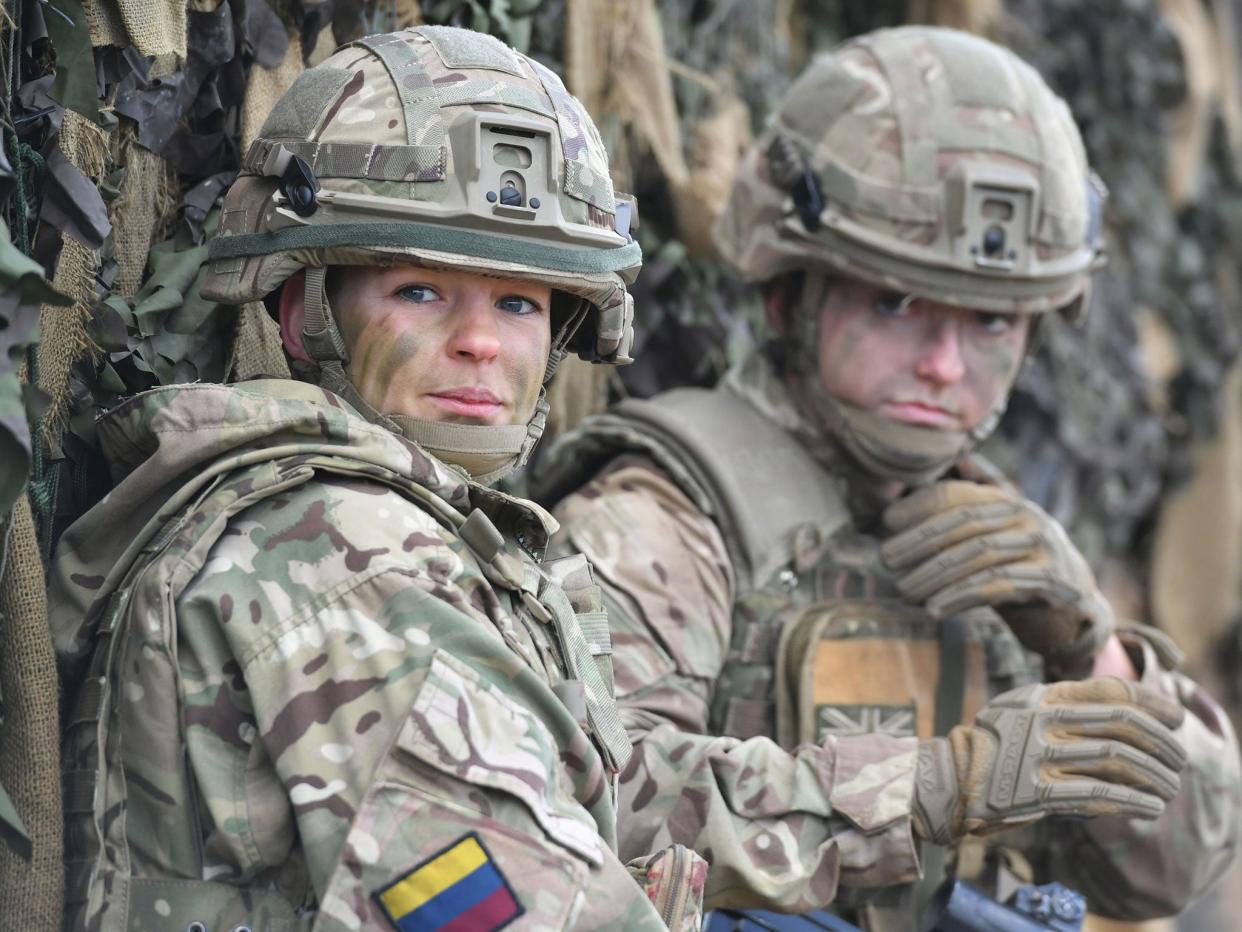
(958, 545)
(1086, 748)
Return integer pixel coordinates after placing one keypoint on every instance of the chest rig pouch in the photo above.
(862, 666)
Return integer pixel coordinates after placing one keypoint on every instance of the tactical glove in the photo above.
(959, 545)
(1087, 748)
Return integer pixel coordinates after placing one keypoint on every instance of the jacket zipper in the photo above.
(675, 902)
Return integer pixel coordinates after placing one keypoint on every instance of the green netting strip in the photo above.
(417, 235)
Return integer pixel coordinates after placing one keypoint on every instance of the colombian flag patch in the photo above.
(460, 889)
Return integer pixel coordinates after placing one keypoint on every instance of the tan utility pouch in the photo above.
(862, 666)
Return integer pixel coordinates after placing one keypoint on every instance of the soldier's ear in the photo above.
(774, 310)
(780, 295)
(292, 315)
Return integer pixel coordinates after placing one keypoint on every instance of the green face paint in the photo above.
(917, 362)
(443, 345)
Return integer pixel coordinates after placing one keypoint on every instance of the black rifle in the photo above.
(956, 907)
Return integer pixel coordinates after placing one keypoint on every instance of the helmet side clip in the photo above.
(298, 185)
(791, 172)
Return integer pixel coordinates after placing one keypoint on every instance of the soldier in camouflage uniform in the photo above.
(321, 677)
(839, 636)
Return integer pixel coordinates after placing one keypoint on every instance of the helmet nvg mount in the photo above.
(475, 158)
(927, 161)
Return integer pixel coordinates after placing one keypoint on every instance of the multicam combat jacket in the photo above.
(319, 686)
(709, 602)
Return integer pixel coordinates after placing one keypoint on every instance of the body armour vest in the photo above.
(124, 645)
(822, 643)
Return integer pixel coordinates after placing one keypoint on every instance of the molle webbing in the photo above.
(753, 478)
(422, 98)
(577, 182)
(912, 101)
(352, 160)
(580, 662)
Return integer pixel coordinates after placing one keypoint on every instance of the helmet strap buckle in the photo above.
(320, 335)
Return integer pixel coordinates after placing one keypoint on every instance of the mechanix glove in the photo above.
(959, 545)
(1086, 748)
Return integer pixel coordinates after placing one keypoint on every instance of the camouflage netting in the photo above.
(125, 121)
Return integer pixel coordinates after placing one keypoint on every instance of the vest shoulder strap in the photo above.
(754, 479)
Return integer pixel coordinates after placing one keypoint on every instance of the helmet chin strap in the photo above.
(883, 447)
(485, 451)
(890, 449)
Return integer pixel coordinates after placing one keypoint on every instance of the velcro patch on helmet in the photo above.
(461, 48)
(298, 111)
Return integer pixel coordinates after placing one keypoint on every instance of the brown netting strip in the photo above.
(257, 352)
(256, 347)
(30, 738)
(265, 87)
(142, 211)
(155, 27)
(1191, 122)
(325, 45)
(405, 15)
(63, 334)
(104, 19)
(1196, 572)
(719, 142)
(616, 63)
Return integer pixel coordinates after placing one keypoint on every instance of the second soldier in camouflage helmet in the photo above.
(846, 649)
(325, 685)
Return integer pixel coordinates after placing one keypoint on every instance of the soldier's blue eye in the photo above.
(994, 323)
(419, 294)
(516, 304)
(893, 304)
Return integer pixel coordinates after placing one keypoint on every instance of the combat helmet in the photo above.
(446, 148)
(929, 162)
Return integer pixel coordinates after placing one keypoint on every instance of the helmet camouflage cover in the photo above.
(927, 161)
(440, 146)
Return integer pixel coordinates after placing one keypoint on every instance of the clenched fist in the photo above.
(958, 545)
(1088, 748)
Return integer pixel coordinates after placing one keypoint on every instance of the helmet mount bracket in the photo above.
(991, 212)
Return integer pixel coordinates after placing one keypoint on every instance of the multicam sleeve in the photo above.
(427, 772)
(781, 830)
(1133, 869)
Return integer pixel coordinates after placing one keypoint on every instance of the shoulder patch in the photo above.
(458, 888)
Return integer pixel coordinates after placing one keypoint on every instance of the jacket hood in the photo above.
(167, 446)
